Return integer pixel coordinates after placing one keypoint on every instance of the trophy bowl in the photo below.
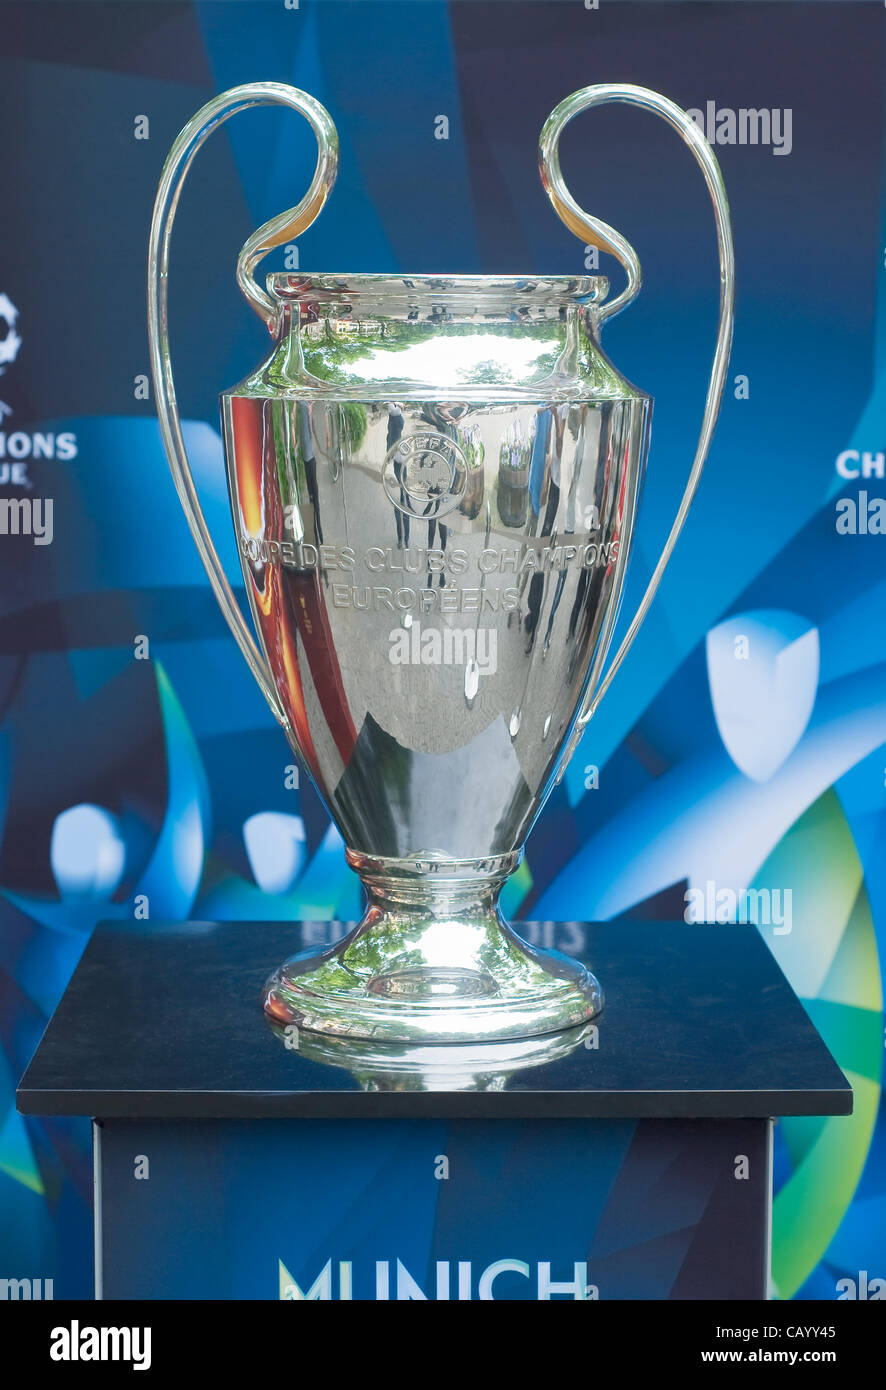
(434, 483)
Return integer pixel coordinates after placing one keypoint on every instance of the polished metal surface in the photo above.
(431, 578)
(434, 482)
(597, 233)
(471, 1066)
(429, 646)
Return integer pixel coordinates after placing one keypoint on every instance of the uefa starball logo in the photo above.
(18, 448)
(24, 515)
(10, 342)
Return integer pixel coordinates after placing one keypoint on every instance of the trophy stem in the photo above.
(432, 960)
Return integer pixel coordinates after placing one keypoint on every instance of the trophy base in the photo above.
(465, 1066)
(433, 960)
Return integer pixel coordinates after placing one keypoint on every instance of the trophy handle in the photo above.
(599, 234)
(274, 233)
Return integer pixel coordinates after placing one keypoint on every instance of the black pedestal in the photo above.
(626, 1159)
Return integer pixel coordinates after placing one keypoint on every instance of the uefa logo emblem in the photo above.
(425, 474)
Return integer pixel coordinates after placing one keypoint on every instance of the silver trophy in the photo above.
(434, 482)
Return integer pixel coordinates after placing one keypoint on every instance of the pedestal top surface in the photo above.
(166, 1021)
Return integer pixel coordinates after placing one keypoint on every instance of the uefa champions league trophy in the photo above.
(434, 482)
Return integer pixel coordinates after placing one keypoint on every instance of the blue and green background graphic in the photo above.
(138, 763)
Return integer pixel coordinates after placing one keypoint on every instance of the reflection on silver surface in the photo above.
(474, 1066)
(434, 483)
(430, 654)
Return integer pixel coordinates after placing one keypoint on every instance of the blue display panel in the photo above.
(426, 1209)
